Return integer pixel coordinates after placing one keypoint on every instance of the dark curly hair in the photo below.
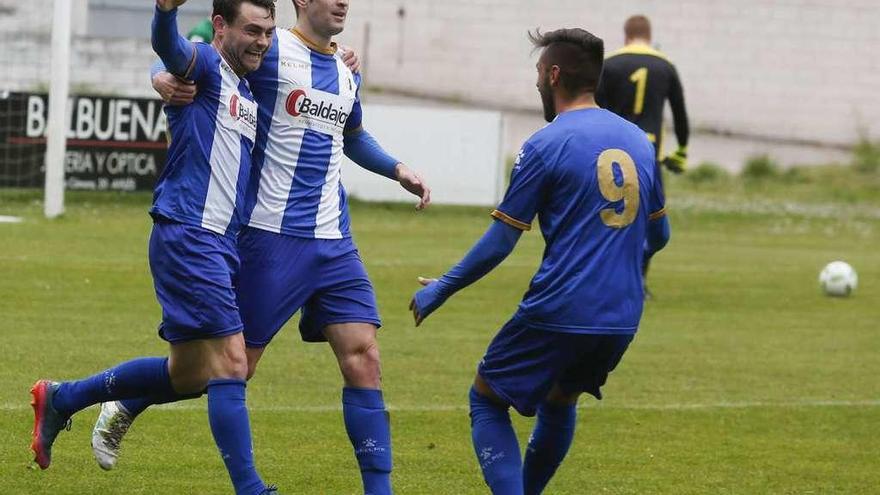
(229, 9)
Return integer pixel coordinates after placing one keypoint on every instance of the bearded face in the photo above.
(545, 89)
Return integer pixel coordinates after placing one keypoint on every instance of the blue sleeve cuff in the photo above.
(362, 148)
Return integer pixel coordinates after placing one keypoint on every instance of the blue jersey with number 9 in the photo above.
(590, 177)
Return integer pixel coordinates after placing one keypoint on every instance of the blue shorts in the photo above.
(194, 272)
(523, 363)
(281, 274)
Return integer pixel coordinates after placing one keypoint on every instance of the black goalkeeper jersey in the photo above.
(636, 82)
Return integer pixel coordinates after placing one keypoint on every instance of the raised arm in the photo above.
(176, 52)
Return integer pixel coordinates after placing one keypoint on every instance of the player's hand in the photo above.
(350, 58)
(413, 182)
(427, 299)
(676, 162)
(166, 5)
(173, 90)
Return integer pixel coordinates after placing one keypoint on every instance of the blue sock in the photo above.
(136, 378)
(366, 422)
(551, 438)
(496, 445)
(228, 415)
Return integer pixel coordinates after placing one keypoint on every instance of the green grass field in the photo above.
(743, 378)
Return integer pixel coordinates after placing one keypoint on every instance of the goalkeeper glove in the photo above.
(676, 162)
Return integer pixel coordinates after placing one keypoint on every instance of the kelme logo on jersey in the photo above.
(299, 103)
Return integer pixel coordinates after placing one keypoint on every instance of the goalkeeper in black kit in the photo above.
(635, 84)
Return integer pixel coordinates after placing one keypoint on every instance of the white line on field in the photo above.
(190, 406)
(9, 219)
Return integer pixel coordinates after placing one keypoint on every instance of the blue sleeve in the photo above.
(526, 190)
(658, 231)
(175, 51)
(656, 198)
(498, 242)
(657, 236)
(363, 149)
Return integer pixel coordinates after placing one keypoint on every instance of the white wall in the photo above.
(458, 153)
(793, 69)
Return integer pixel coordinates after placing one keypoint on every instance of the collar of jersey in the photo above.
(312, 45)
(638, 49)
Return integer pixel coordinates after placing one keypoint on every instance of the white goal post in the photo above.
(59, 87)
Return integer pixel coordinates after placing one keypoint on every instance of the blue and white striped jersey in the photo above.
(209, 158)
(307, 98)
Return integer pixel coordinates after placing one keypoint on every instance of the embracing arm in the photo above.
(176, 52)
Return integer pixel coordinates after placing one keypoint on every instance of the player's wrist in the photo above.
(445, 287)
(399, 170)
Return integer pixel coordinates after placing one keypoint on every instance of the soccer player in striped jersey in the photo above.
(297, 252)
(198, 211)
(590, 177)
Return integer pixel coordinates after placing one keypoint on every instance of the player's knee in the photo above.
(237, 366)
(229, 362)
(361, 366)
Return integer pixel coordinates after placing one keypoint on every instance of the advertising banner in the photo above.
(113, 143)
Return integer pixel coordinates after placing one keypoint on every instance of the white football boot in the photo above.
(111, 427)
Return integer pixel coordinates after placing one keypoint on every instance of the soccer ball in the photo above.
(838, 279)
